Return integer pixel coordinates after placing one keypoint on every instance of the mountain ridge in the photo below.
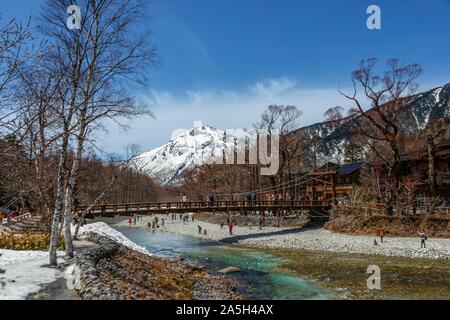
(431, 104)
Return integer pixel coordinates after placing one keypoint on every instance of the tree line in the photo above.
(58, 86)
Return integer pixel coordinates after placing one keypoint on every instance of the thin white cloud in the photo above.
(160, 97)
(272, 87)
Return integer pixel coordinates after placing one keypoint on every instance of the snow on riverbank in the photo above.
(103, 229)
(310, 239)
(24, 273)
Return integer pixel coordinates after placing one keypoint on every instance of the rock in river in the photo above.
(230, 270)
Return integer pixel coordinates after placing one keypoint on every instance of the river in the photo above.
(298, 275)
(259, 277)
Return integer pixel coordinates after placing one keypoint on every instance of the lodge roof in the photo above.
(350, 168)
(327, 167)
(341, 170)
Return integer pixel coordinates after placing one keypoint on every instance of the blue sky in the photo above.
(224, 61)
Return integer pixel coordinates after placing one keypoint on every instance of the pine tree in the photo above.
(353, 153)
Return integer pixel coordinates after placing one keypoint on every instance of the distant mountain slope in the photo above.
(428, 105)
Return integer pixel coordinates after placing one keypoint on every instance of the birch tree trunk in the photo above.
(70, 190)
(57, 212)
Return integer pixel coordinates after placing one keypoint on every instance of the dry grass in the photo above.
(358, 224)
(29, 241)
(140, 277)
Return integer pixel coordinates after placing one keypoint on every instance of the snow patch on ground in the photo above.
(25, 273)
(103, 229)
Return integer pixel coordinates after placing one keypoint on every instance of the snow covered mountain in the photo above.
(168, 163)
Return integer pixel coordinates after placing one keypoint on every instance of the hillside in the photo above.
(428, 105)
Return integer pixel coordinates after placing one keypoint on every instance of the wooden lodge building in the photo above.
(417, 168)
(443, 169)
(333, 180)
(336, 181)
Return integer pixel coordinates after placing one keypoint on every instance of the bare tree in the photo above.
(13, 49)
(285, 120)
(334, 116)
(13, 38)
(378, 111)
(434, 132)
(100, 62)
(14, 41)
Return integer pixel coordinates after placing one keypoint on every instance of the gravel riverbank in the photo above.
(306, 239)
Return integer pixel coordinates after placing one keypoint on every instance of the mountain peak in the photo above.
(168, 163)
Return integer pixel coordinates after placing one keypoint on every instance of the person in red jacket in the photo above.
(230, 228)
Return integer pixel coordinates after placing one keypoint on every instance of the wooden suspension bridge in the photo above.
(315, 208)
(243, 207)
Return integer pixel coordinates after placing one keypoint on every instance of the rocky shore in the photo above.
(308, 239)
(111, 271)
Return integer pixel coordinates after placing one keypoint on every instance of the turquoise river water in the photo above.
(259, 277)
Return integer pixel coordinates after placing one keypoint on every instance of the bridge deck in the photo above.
(217, 206)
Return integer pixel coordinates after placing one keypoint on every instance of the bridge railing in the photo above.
(6, 221)
(230, 205)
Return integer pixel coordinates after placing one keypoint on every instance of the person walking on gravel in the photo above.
(423, 239)
(381, 235)
(230, 228)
